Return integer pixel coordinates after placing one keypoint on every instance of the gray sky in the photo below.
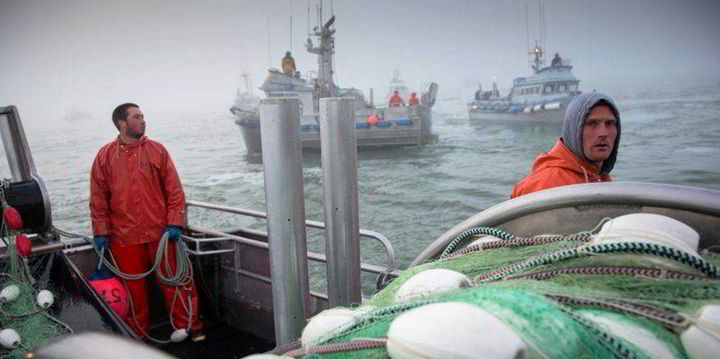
(90, 55)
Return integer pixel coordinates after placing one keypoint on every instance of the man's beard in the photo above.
(135, 134)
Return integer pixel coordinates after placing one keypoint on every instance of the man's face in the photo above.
(599, 133)
(134, 123)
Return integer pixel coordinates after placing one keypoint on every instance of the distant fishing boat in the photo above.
(541, 97)
(376, 126)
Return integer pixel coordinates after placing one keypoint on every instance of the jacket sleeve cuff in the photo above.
(101, 229)
(176, 219)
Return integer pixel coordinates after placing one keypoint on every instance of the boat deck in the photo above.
(223, 341)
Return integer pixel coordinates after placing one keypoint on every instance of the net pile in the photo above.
(33, 324)
(547, 288)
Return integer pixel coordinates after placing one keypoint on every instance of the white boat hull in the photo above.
(548, 116)
(405, 125)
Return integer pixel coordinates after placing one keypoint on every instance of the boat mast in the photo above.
(325, 84)
(246, 79)
(537, 60)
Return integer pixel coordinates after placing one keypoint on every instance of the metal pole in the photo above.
(339, 166)
(284, 198)
(17, 151)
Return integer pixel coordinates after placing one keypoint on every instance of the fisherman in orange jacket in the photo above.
(585, 153)
(135, 197)
(413, 99)
(396, 100)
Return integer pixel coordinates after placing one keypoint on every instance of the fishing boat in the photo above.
(245, 111)
(540, 97)
(376, 126)
(556, 273)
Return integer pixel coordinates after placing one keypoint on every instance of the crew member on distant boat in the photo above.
(556, 61)
(135, 197)
(479, 93)
(585, 153)
(288, 64)
(396, 100)
(413, 99)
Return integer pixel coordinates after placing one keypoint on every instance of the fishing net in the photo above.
(558, 293)
(33, 324)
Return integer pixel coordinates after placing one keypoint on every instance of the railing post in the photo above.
(339, 165)
(284, 198)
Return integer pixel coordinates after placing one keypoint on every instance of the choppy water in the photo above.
(413, 194)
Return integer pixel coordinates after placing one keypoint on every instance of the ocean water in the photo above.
(410, 194)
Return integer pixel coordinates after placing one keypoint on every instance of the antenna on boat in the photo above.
(325, 84)
(527, 27)
(537, 60)
(543, 24)
(291, 31)
(268, 41)
(248, 83)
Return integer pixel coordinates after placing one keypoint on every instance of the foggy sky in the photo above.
(62, 56)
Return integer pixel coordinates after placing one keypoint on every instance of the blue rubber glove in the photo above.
(101, 242)
(173, 232)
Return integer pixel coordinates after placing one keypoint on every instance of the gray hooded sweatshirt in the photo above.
(575, 117)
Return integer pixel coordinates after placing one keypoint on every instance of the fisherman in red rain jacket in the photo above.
(135, 197)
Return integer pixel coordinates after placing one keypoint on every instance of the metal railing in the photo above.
(219, 236)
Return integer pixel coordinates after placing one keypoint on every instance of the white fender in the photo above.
(45, 298)
(633, 333)
(327, 321)
(452, 330)
(179, 335)
(9, 293)
(484, 239)
(702, 339)
(650, 228)
(431, 281)
(9, 338)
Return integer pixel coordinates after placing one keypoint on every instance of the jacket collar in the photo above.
(561, 156)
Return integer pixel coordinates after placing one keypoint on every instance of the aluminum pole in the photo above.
(284, 198)
(17, 151)
(342, 234)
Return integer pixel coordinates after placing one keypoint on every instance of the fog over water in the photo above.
(88, 56)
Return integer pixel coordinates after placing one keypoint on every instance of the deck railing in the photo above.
(218, 236)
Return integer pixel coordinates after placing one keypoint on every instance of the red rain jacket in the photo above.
(135, 192)
(559, 167)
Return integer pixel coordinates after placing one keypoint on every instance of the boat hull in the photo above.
(544, 116)
(401, 126)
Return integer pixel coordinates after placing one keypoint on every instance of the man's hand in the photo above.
(173, 232)
(101, 242)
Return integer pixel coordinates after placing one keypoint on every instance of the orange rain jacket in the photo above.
(396, 100)
(135, 192)
(559, 167)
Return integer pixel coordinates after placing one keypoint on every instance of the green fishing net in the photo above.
(22, 314)
(614, 286)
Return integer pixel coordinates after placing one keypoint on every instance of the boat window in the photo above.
(548, 89)
(573, 87)
(537, 89)
(562, 88)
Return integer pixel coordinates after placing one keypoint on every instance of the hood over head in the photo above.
(575, 117)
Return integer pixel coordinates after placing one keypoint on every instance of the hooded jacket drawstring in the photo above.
(585, 173)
